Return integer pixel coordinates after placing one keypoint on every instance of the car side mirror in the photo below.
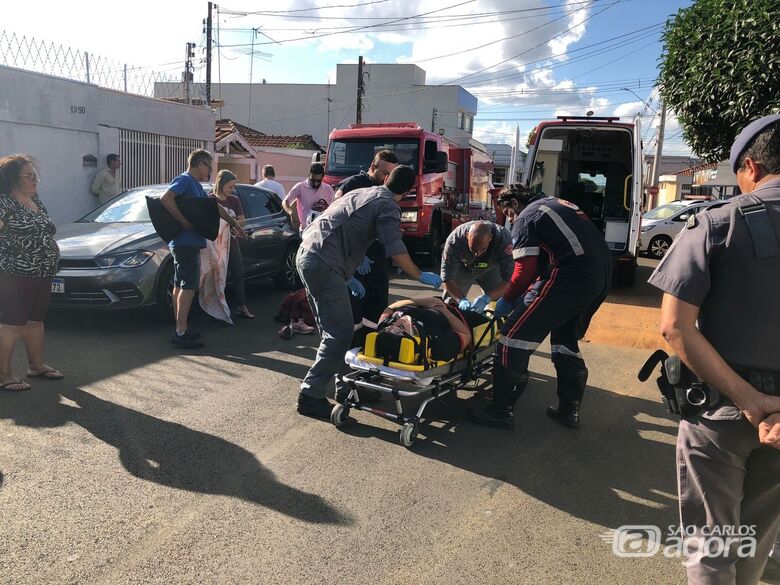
(683, 217)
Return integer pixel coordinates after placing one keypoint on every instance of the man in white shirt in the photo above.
(106, 183)
(269, 183)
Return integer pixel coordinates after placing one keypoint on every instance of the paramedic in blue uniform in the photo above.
(723, 272)
(562, 274)
(476, 252)
(372, 271)
(333, 246)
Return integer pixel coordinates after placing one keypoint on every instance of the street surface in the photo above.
(152, 465)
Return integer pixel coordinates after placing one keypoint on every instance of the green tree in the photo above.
(720, 70)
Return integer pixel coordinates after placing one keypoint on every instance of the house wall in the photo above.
(393, 93)
(60, 121)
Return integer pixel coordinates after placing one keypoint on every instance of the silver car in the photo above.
(113, 259)
(662, 224)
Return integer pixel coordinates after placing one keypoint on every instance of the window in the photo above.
(460, 120)
(468, 123)
(346, 158)
(499, 176)
(130, 207)
(258, 203)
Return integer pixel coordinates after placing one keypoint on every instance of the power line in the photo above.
(282, 12)
(423, 18)
(370, 26)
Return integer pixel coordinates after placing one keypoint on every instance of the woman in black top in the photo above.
(28, 261)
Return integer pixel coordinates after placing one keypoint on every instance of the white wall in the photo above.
(58, 121)
(393, 93)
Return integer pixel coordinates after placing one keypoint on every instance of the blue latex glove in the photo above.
(465, 305)
(431, 279)
(365, 266)
(356, 288)
(503, 308)
(480, 303)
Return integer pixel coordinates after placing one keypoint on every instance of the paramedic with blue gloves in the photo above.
(562, 274)
(476, 252)
(333, 246)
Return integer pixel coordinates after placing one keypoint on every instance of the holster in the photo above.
(682, 391)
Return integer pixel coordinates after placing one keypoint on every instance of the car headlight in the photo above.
(124, 259)
(647, 228)
(409, 216)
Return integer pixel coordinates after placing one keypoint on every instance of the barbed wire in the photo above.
(40, 56)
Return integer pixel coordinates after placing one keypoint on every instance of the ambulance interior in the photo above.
(592, 168)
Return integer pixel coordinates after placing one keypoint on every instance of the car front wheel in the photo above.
(288, 278)
(659, 246)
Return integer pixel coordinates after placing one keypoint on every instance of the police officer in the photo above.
(372, 271)
(565, 261)
(723, 272)
(333, 246)
(481, 252)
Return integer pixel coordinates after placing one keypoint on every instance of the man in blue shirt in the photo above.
(186, 247)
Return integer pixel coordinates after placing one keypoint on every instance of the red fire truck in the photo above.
(452, 181)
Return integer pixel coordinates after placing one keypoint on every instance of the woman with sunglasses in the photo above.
(28, 261)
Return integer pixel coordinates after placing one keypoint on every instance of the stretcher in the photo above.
(409, 379)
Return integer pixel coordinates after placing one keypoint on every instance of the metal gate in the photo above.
(153, 158)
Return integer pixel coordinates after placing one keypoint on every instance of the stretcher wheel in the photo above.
(408, 434)
(339, 415)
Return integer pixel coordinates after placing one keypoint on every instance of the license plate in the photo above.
(58, 285)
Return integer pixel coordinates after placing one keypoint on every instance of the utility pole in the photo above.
(208, 56)
(359, 112)
(251, 66)
(659, 147)
(433, 121)
(188, 72)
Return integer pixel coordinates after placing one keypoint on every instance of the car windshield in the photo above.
(129, 207)
(349, 157)
(664, 211)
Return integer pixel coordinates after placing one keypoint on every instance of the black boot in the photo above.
(498, 411)
(572, 381)
(314, 407)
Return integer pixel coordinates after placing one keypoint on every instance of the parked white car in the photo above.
(661, 225)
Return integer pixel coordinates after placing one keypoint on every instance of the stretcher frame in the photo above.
(473, 365)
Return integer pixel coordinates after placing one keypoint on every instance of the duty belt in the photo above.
(685, 394)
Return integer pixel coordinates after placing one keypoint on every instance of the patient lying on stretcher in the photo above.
(447, 328)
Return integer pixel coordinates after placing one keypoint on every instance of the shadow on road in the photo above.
(616, 469)
(640, 294)
(168, 453)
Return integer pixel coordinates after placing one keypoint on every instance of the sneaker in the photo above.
(314, 407)
(300, 327)
(192, 333)
(185, 341)
(286, 332)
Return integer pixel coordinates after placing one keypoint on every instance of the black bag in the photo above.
(201, 212)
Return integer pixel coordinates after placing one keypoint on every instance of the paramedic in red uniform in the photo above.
(562, 274)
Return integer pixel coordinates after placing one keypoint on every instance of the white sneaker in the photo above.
(300, 327)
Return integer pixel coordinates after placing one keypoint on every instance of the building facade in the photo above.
(392, 93)
(70, 127)
(502, 159)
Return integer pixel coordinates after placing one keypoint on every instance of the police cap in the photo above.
(747, 135)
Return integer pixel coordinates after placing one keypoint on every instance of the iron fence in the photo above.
(25, 52)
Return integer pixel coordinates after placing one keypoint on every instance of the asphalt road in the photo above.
(152, 465)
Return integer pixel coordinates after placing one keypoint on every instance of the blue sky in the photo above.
(547, 68)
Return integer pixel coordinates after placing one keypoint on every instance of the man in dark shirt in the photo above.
(372, 272)
(723, 273)
(333, 246)
(562, 274)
